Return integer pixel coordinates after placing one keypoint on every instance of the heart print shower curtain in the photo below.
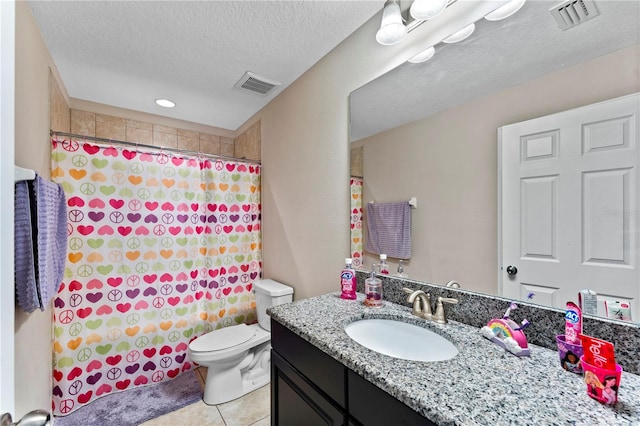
(161, 249)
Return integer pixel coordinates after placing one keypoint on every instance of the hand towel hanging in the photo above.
(389, 229)
(40, 241)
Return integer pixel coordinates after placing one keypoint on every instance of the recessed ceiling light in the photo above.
(165, 103)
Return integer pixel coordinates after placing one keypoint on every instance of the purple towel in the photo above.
(389, 229)
(52, 237)
(25, 272)
(40, 242)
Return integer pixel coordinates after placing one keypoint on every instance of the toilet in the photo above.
(238, 358)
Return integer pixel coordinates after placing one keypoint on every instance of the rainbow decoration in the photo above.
(507, 334)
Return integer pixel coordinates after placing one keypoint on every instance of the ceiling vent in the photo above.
(257, 84)
(573, 12)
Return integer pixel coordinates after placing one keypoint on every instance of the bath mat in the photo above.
(135, 406)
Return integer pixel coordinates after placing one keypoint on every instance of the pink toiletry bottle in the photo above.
(384, 267)
(348, 281)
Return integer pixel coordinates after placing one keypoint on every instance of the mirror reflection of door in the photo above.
(581, 163)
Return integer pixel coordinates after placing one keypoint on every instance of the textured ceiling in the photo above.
(128, 53)
(498, 55)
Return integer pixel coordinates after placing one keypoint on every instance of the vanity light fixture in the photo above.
(166, 103)
(460, 34)
(423, 56)
(392, 29)
(505, 11)
(427, 9)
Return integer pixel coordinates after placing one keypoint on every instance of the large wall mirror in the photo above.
(429, 130)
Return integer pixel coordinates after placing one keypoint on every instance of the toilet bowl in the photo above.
(238, 358)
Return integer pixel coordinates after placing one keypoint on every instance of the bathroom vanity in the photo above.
(320, 376)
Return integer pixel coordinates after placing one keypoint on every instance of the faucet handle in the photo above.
(410, 293)
(440, 317)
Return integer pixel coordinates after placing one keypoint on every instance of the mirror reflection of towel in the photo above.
(40, 241)
(389, 229)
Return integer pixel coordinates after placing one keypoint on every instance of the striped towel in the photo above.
(25, 267)
(40, 242)
(389, 229)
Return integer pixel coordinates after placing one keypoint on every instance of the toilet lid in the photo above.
(223, 338)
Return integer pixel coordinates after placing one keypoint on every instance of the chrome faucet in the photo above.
(421, 303)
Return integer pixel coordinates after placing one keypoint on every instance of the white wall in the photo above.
(449, 162)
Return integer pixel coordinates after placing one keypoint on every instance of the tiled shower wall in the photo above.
(247, 145)
(108, 127)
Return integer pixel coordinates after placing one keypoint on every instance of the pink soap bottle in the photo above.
(348, 281)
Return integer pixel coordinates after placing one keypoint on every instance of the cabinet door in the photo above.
(324, 372)
(295, 401)
(372, 406)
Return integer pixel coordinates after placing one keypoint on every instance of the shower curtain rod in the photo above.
(141, 145)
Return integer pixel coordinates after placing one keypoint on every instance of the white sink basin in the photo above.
(401, 340)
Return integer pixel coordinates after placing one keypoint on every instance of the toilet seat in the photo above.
(223, 338)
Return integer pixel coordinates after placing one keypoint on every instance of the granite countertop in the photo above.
(482, 385)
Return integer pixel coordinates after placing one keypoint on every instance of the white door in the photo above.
(570, 207)
(7, 83)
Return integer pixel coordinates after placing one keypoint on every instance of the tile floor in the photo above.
(253, 409)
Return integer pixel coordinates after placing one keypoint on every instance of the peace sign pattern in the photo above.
(161, 250)
(356, 221)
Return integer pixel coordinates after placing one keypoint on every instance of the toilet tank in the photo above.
(270, 293)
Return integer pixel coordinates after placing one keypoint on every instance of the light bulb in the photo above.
(423, 56)
(505, 11)
(392, 29)
(460, 34)
(427, 9)
(166, 103)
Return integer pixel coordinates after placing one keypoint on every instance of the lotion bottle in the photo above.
(348, 281)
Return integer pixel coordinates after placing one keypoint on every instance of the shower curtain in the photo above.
(161, 249)
(356, 221)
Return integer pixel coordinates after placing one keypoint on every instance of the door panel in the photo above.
(539, 217)
(569, 205)
(605, 228)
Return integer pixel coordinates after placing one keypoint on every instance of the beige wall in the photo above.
(33, 331)
(305, 153)
(449, 162)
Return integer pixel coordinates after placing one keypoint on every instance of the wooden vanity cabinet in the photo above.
(308, 387)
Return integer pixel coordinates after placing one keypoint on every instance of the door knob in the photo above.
(512, 270)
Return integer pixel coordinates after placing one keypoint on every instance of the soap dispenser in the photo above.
(384, 267)
(373, 290)
(401, 273)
